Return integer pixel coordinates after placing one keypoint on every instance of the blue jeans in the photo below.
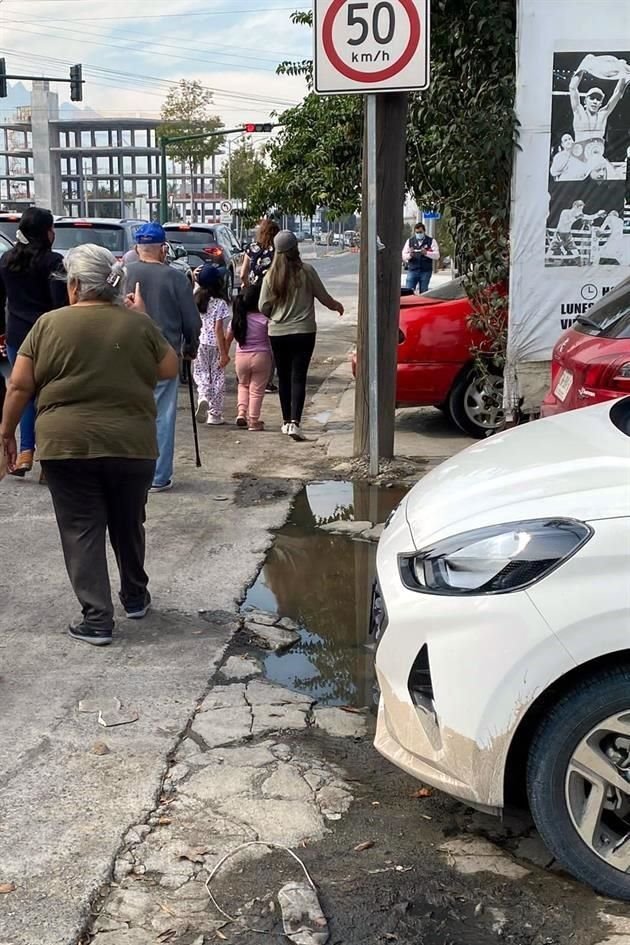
(166, 401)
(420, 278)
(27, 423)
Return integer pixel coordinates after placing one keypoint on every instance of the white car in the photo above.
(502, 614)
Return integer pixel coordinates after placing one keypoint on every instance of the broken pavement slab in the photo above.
(241, 667)
(471, 855)
(340, 724)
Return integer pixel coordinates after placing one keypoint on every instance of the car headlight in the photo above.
(494, 560)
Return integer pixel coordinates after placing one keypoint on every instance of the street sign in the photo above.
(431, 215)
(225, 210)
(365, 46)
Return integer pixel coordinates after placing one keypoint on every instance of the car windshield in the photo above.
(447, 292)
(610, 318)
(69, 235)
(8, 228)
(194, 237)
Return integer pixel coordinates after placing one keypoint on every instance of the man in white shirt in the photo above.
(419, 252)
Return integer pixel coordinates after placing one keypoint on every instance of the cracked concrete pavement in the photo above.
(65, 807)
(234, 779)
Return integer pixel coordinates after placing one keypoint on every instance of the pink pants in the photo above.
(253, 371)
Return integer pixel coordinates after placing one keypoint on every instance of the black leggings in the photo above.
(293, 355)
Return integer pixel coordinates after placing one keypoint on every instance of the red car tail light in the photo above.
(212, 251)
(609, 375)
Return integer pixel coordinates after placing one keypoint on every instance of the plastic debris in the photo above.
(302, 916)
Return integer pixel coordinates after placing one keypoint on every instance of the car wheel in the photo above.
(578, 781)
(475, 403)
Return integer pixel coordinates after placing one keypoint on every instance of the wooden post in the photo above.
(391, 129)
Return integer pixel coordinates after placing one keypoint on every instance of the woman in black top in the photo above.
(28, 288)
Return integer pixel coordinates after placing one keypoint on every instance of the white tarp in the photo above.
(570, 222)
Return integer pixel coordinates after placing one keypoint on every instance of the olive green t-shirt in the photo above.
(95, 370)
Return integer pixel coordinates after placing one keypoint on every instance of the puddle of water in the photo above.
(324, 582)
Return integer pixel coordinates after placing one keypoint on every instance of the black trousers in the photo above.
(293, 355)
(92, 497)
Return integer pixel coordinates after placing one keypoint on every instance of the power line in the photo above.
(163, 16)
(80, 37)
(154, 81)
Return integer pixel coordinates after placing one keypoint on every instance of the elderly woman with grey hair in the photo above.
(93, 366)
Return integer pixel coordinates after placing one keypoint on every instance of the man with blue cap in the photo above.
(169, 301)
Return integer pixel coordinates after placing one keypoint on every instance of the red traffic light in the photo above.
(252, 127)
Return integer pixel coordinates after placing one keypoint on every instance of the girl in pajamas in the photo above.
(212, 357)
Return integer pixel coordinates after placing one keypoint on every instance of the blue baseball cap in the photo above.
(210, 276)
(150, 233)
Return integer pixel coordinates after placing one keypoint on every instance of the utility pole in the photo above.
(391, 126)
(381, 51)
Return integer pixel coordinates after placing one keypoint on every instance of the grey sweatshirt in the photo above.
(169, 301)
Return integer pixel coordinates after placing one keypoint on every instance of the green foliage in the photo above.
(247, 169)
(187, 111)
(461, 138)
(315, 159)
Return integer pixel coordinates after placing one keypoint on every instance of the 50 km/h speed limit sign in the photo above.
(365, 46)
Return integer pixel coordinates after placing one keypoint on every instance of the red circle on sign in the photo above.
(383, 74)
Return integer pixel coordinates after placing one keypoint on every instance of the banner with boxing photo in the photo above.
(570, 220)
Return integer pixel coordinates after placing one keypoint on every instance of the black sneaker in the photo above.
(86, 634)
(138, 611)
(271, 389)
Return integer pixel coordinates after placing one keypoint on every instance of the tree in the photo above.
(315, 159)
(187, 111)
(460, 146)
(247, 168)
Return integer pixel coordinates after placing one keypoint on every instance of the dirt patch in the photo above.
(402, 889)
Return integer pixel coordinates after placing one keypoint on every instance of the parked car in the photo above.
(177, 257)
(501, 613)
(591, 360)
(211, 242)
(115, 235)
(9, 224)
(350, 238)
(436, 364)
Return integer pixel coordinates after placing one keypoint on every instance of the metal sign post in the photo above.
(372, 293)
(367, 47)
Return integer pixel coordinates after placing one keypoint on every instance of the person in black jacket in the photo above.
(31, 283)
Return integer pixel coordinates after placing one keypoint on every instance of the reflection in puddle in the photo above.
(324, 582)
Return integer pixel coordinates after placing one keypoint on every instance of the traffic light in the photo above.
(3, 79)
(251, 127)
(76, 83)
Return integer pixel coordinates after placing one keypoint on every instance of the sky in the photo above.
(134, 51)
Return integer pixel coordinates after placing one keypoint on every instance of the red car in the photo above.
(591, 360)
(435, 360)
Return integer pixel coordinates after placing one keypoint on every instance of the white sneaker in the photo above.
(285, 428)
(201, 413)
(215, 420)
(295, 433)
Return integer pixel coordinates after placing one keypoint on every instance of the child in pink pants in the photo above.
(253, 356)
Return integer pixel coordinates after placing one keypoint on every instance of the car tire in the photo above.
(474, 404)
(559, 797)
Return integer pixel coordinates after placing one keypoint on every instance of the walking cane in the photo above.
(188, 368)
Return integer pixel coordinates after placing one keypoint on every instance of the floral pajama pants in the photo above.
(210, 378)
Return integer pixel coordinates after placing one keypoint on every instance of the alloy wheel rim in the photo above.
(483, 401)
(597, 790)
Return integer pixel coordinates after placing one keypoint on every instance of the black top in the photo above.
(417, 262)
(29, 294)
(260, 261)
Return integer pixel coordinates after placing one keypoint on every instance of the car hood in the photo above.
(576, 465)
